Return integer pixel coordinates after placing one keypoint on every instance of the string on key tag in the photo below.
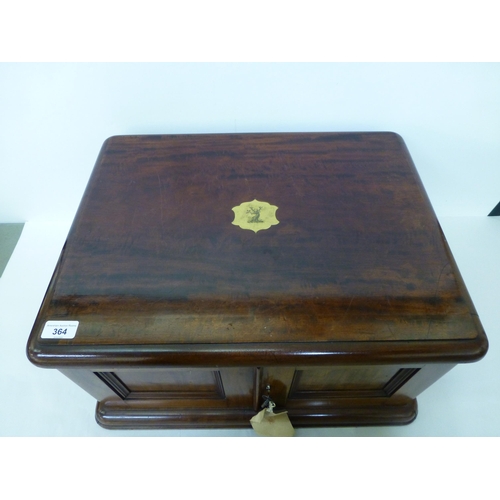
(271, 406)
(268, 423)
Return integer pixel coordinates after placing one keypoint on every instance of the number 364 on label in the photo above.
(59, 330)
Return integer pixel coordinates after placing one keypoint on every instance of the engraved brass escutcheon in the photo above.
(255, 215)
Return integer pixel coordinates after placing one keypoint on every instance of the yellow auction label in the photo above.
(255, 215)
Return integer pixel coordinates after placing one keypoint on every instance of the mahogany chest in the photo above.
(205, 272)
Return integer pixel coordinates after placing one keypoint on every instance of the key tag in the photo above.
(269, 424)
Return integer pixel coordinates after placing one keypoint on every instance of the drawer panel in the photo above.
(349, 381)
(165, 383)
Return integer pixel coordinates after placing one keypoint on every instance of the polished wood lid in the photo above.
(353, 254)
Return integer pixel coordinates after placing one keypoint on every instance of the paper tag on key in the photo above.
(270, 424)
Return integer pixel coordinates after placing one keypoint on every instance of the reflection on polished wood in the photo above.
(348, 308)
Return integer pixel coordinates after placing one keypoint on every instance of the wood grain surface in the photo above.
(153, 266)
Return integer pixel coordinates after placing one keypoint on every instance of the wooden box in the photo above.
(203, 272)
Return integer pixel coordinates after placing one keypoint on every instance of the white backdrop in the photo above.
(55, 117)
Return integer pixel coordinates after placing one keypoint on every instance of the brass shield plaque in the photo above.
(255, 215)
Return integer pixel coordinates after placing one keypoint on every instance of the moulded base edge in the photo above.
(338, 413)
